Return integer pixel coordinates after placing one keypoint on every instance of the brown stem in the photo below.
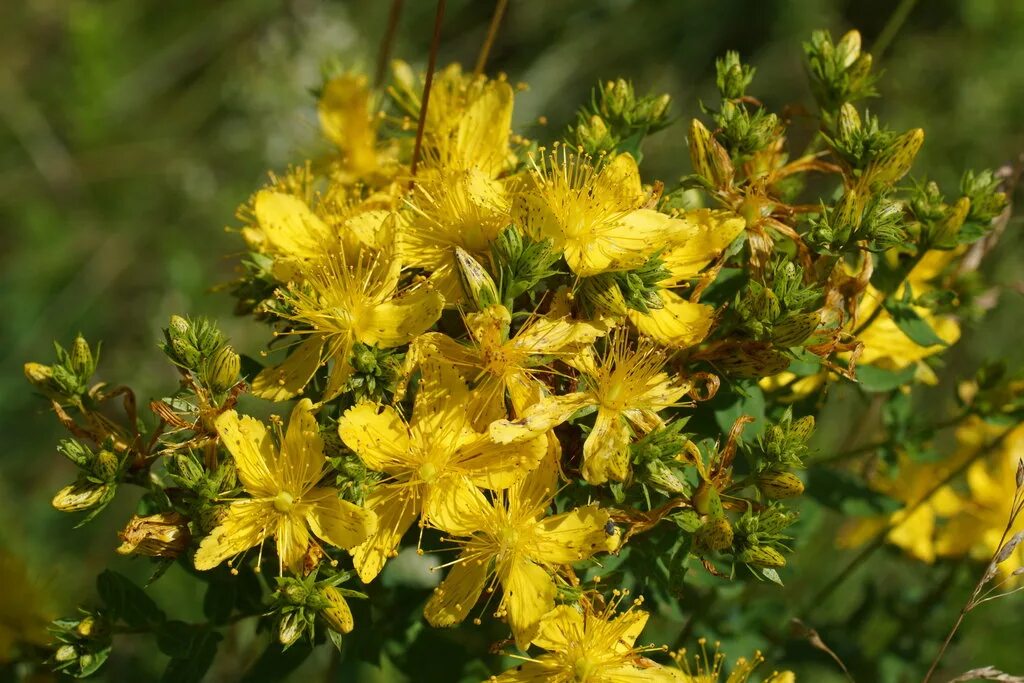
(427, 82)
(384, 53)
(492, 32)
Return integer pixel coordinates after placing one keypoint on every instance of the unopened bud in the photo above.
(794, 329)
(222, 369)
(896, 160)
(161, 535)
(39, 375)
(715, 534)
(708, 157)
(290, 628)
(105, 465)
(849, 123)
(601, 293)
(65, 653)
(946, 231)
(82, 362)
(477, 283)
(338, 615)
(751, 359)
(777, 485)
(81, 496)
(762, 556)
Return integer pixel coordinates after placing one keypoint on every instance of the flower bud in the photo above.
(751, 359)
(793, 329)
(77, 452)
(105, 465)
(39, 375)
(715, 534)
(709, 158)
(849, 124)
(945, 232)
(896, 160)
(762, 556)
(222, 368)
(161, 535)
(82, 362)
(82, 496)
(65, 653)
(601, 293)
(477, 283)
(338, 615)
(777, 485)
(290, 628)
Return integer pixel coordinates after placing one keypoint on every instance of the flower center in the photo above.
(284, 502)
(428, 472)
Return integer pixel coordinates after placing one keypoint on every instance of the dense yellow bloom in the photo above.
(498, 365)
(704, 669)
(347, 120)
(978, 528)
(452, 209)
(627, 386)
(285, 500)
(337, 305)
(425, 457)
(511, 539)
(469, 119)
(700, 237)
(585, 645)
(595, 215)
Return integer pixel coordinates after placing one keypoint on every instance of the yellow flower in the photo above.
(594, 215)
(977, 529)
(589, 646)
(498, 365)
(452, 209)
(469, 119)
(347, 120)
(700, 237)
(628, 387)
(511, 539)
(709, 670)
(424, 457)
(338, 305)
(285, 502)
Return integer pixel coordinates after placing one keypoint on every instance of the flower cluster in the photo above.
(518, 351)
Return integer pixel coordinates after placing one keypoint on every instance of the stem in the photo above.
(384, 53)
(892, 27)
(435, 43)
(492, 32)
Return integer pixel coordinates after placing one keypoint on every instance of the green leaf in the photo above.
(127, 601)
(275, 664)
(909, 322)
(192, 666)
(846, 493)
(877, 380)
(219, 601)
(748, 400)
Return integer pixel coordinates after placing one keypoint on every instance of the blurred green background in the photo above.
(131, 129)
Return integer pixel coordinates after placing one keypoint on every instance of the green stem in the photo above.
(891, 28)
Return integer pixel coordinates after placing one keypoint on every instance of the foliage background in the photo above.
(130, 130)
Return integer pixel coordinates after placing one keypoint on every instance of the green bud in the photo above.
(77, 452)
(753, 359)
(477, 283)
(178, 327)
(687, 520)
(291, 628)
(65, 653)
(894, 163)
(715, 534)
(82, 495)
(82, 362)
(987, 201)
(943, 234)
(762, 556)
(778, 485)
(106, 465)
(221, 369)
(594, 135)
(185, 353)
(709, 158)
(732, 76)
(849, 124)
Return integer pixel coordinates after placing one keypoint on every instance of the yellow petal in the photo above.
(560, 627)
(529, 594)
(396, 322)
(606, 450)
(284, 381)
(290, 227)
(539, 418)
(345, 117)
(571, 536)
(439, 412)
(704, 236)
(642, 671)
(396, 509)
(626, 628)
(338, 614)
(678, 324)
(546, 336)
(458, 507)
(292, 539)
(341, 523)
(377, 434)
(458, 593)
(483, 133)
(498, 466)
(620, 176)
(619, 245)
(245, 524)
(531, 497)
(542, 669)
(249, 444)
(302, 453)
